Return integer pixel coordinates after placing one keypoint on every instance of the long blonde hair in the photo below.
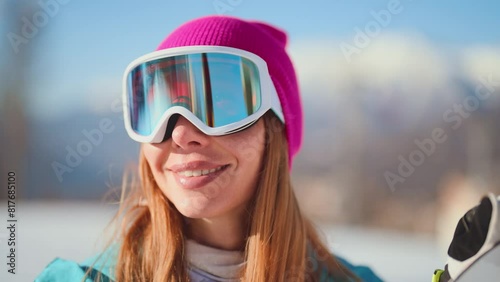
(282, 245)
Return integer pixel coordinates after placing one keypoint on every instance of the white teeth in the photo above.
(191, 173)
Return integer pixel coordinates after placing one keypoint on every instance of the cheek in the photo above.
(156, 156)
(248, 149)
(250, 156)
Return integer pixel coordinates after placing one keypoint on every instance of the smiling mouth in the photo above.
(200, 172)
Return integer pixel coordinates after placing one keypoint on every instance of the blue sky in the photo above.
(87, 44)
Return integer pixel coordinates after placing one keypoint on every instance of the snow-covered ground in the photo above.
(71, 230)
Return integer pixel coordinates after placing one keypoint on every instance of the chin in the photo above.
(195, 209)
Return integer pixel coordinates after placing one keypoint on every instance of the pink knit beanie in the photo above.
(259, 38)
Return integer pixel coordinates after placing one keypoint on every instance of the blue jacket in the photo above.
(61, 270)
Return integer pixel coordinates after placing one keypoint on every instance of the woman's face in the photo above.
(207, 176)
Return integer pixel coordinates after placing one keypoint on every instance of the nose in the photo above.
(187, 136)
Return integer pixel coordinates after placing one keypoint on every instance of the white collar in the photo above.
(221, 263)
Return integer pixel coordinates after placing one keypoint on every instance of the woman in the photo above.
(218, 111)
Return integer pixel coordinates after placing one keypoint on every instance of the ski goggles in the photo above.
(220, 90)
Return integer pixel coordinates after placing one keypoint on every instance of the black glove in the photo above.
(474, 252)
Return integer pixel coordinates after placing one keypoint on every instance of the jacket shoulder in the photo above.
(61, 270)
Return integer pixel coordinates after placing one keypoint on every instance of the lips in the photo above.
(196, 175)
(200, 172)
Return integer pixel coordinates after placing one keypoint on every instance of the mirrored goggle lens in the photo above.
(217, 88)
